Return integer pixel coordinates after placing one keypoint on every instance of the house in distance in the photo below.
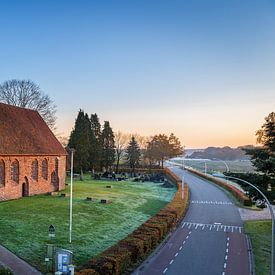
(32, 161)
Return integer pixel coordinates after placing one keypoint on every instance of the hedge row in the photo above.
(241, 197)
(140, 170)
(137, 245)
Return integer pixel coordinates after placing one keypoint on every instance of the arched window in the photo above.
(56, 166)
(2, 173)
(15, 171)
(45, 169)
(35, 170)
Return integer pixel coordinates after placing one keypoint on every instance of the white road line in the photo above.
(183, 242)
(226, 257)
(240, 230)
(223, 273)
(176, 255)
(171, 261)
(181, 248)
(228, 238)
(211, 227)
(224, 266)
(197, 226)
(227, 250)
(187, 237)
(224, 229)
(227, 244)
(190, 232)
(164, 271)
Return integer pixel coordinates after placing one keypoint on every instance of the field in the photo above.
(218, 166)
(260, 232)
(24, 223)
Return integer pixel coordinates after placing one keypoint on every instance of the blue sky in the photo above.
(204, 70)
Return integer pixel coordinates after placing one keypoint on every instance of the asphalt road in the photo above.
(210, 239)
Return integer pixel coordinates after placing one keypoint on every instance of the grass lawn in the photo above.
(260, 232)
(24, 223)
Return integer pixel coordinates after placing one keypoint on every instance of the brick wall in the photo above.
(13, 190)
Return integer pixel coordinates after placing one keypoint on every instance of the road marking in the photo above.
(224, 265)
(164, 271)
(215, 226)
(176, 255)
(183, 242)
(171, 261)
(181, 248)
(226, 257)
(213, 202)
(223, 273)
(227, 250)
(187, 237)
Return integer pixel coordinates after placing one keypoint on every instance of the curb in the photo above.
(251, 258)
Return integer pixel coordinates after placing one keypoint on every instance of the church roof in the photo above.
(24, 132)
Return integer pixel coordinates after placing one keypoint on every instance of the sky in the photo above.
(204, 70)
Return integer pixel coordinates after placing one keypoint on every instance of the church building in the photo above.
(32, 160)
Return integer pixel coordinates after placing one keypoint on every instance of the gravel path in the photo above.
(248, 215)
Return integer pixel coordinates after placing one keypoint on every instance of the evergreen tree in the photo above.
(108, 146)
(96, 150)
(80, 140)
(133, 153)
(263, 158)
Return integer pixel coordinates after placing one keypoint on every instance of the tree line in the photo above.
(98, 148)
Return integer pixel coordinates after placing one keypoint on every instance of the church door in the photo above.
(25, 188)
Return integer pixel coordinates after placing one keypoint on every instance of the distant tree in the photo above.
(263, 158)
(121, 141)
(161, 148)
(175, 148)
(133, 153)
(27, 94)
(108, 146)
(80, 139)
(97, 146)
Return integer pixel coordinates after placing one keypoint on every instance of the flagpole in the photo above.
(71, 196)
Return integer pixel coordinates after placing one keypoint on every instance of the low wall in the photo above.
(141, 242)
(240, 196)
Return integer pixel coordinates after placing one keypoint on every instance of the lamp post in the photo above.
(71, 196)
(182, 179)
(271, 213)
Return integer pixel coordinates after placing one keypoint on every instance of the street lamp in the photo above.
(271, 213)
(182, 179)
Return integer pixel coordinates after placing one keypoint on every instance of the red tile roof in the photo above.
(24, 132)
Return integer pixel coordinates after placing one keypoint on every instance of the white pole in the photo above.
(205, 167)
(182, 180)
(71, 196)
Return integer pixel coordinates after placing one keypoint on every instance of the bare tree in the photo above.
(27, 94)
(121, 142)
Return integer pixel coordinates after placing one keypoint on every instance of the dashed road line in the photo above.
(210, 227)
(212, 202)
(226, 256)
(177, 253)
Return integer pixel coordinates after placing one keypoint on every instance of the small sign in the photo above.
(63, 260)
